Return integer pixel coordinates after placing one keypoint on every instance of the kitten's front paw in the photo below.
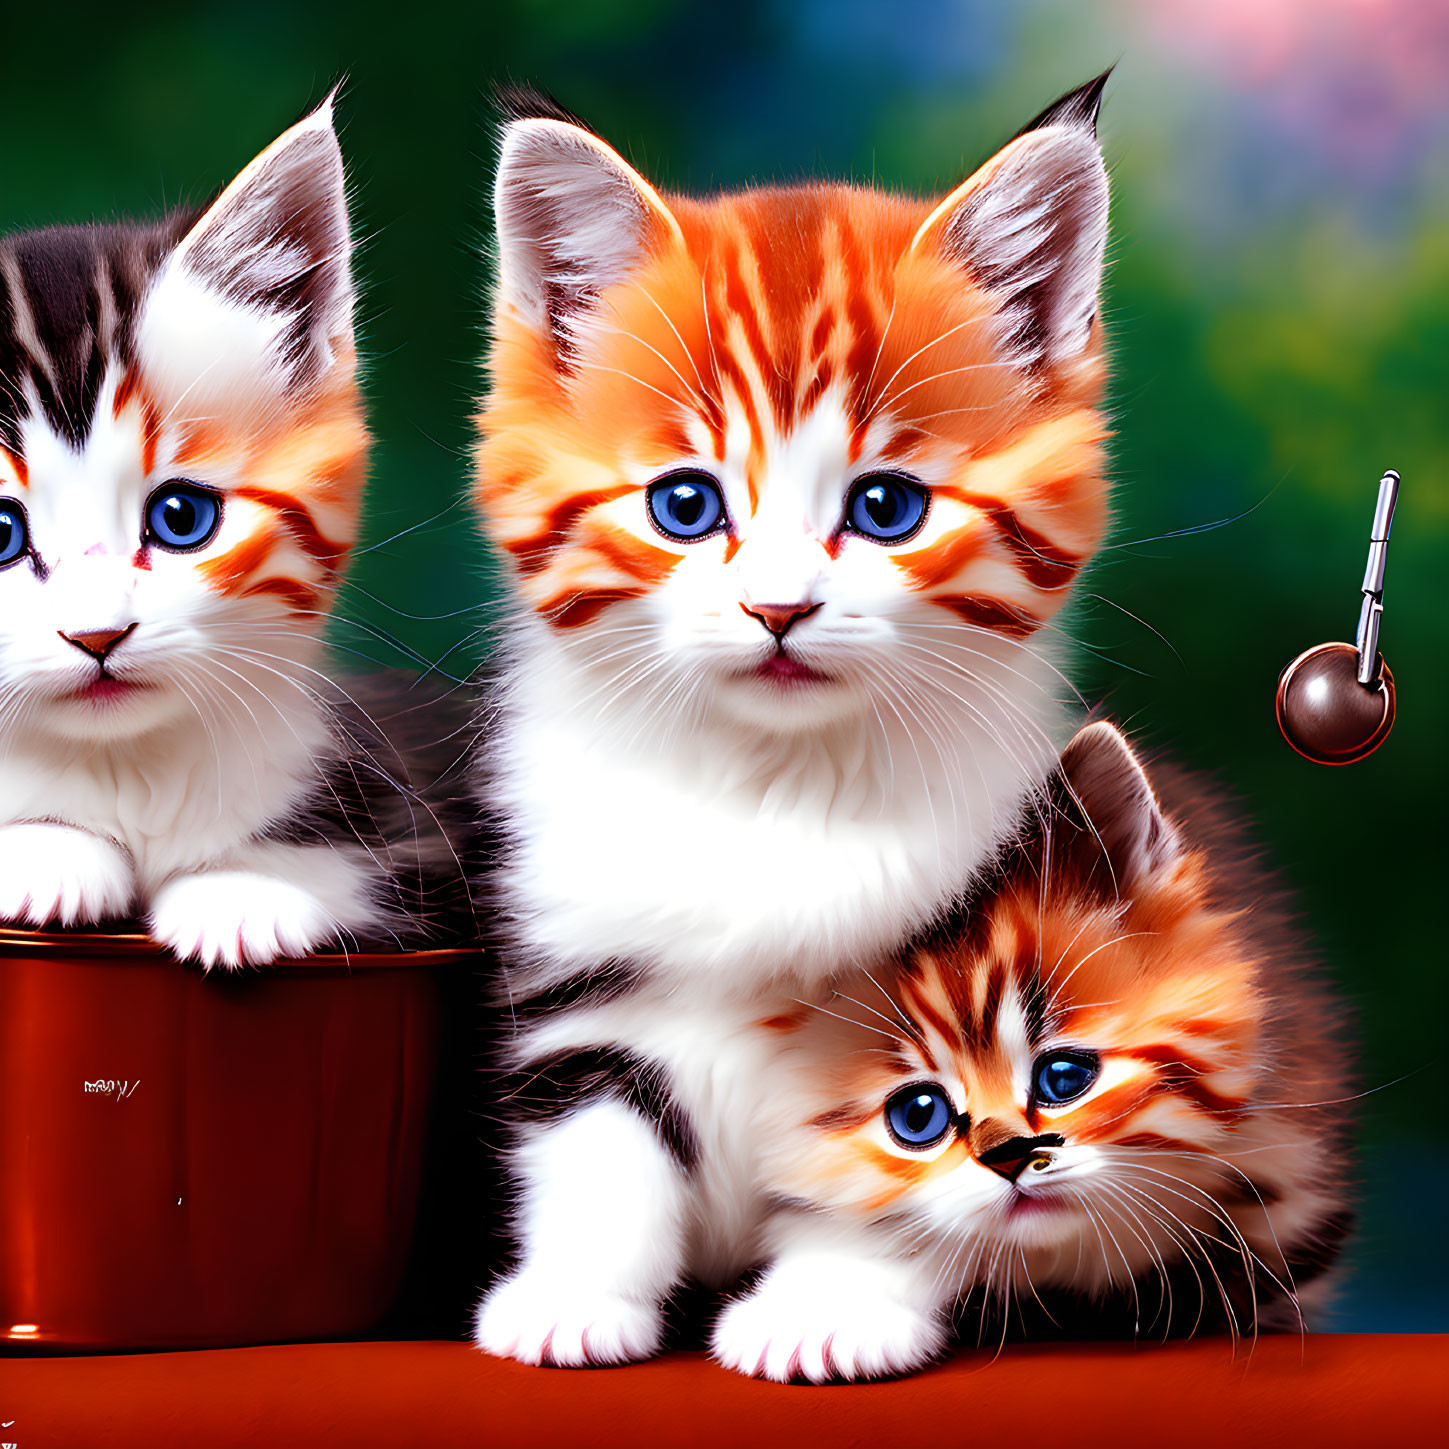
(237, 918)
(52, 873)
(780, 1332)
(536, 1321)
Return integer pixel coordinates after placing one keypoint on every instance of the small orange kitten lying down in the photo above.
(1097, 1100)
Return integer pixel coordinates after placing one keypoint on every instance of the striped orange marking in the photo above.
(299, 522)
(579, 609)
(994, 614)
(18, 465)
(227, 571)
(304, 598)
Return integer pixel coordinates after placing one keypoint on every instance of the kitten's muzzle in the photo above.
(1011, 1158)
(98, 643)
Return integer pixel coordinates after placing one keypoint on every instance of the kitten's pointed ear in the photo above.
(1079, 108)
(1118, 835)
(1031, 226)
(277, 244)
(572, 216)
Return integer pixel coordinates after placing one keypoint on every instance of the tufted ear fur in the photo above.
(572, 216)
(1031, 226)
(261, 285)
(1117, 833)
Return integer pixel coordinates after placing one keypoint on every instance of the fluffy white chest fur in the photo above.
(719, 862)
(178, 799)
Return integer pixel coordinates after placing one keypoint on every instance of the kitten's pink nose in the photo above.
(97, 642)
(779, 619)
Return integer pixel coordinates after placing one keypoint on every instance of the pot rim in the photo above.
(135, 945)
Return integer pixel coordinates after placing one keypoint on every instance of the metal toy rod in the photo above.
(1372, 612)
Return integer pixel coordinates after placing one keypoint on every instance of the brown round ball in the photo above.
(1326, 714)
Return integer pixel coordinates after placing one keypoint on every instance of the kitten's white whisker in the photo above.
(894, 399)
(638, 381)
(885, 397)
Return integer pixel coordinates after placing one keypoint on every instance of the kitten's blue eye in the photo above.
(182, 516)
(886, 507)
(686, 506)
(14, 535)
(919, 1116)
(1064, 1076)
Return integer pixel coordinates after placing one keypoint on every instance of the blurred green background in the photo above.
(1278, 303)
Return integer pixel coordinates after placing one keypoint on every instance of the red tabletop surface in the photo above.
(1325, 1391)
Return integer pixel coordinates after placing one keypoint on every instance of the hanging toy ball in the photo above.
(1336, 701)
(1326, 714)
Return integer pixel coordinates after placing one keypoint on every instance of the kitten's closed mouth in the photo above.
(107, 689)
(783, 669)
(1024, 1204)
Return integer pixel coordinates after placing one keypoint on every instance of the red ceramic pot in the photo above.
(206, 1160)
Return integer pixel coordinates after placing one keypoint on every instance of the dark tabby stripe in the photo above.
(551, 1087)
(607, 983)
(389, 782)
(68, 299)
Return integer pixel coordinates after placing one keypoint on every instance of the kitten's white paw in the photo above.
(538, 1321)
(53, 874)
(237, 918)
(780, 1332)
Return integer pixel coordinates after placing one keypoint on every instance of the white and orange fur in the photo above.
(167, 726)
(696, 813)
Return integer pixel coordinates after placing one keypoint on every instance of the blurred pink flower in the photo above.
(1364, 78)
